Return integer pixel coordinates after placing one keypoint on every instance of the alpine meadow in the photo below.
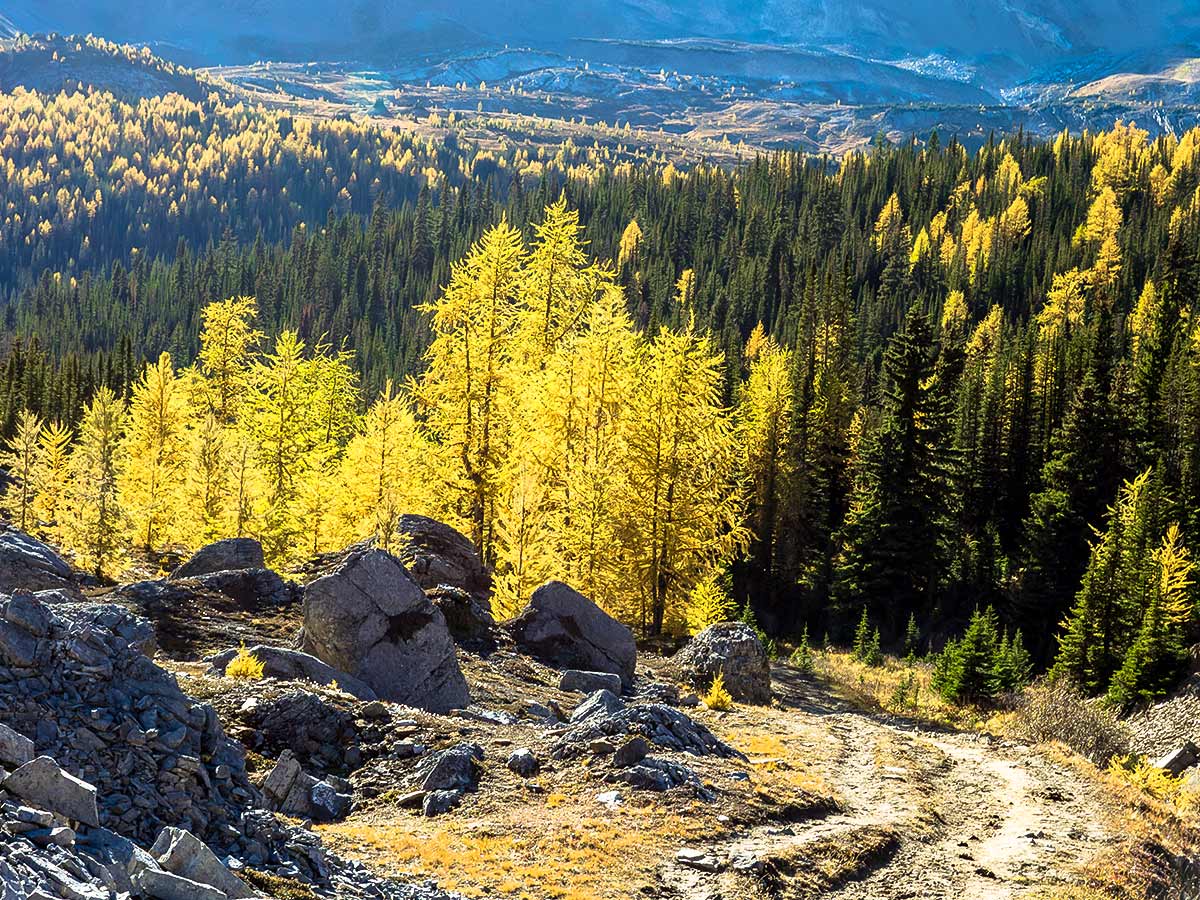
(416, 491)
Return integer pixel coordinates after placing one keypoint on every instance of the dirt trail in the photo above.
(972, 817)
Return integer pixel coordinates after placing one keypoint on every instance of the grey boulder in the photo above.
(435, 554)
(15, 749)
(589, 682)
(223, 556)
(566, 629)
(1180, 759)
(292, 665)
(183, 854)
(160, 885)
(288, 789)
(523, 762)
(369, 618)
(41, 783)
(29, 565)
(601, 704)
(733, 650)
(455, 769)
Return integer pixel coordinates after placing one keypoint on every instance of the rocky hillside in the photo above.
(115, 782)
(50, 64)
(388, 719)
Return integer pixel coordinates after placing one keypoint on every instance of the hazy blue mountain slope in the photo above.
(1011, 38)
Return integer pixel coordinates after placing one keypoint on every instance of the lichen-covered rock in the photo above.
(435, 554)
(566, 629)
(223, 556)
(734, 650)
(369, 618)
(26, 564)
(292, 665)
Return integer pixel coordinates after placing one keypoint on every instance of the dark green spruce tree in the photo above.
(895, 535)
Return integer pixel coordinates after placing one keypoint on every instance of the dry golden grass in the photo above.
(1150, 828)
(573, 850)
(777, 760)
(895, 687)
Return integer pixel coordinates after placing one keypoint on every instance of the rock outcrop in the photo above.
(26, 564)
(435, 554)
(223, 556)
(76, 680)
(324, 737)
(102, 756)
(603, 715)
(191, 614)
(290, 790)
(369, 618)
(292, 665)
(734, 650)
(1170, 723)
(566, 629)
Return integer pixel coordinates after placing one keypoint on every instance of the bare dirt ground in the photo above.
(895, 810)
(930, 814)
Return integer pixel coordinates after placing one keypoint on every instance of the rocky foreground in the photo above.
(115, 783)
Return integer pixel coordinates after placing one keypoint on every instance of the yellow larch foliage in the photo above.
(154, 448)
(91, 524)
(19, 460)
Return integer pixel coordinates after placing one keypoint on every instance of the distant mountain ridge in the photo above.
(818, 74)
(1011, 40)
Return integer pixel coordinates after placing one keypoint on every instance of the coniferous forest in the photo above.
(941, 392)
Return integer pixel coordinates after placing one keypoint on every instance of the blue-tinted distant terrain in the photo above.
(814, 72)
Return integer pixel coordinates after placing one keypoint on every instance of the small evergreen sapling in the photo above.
(802, 656)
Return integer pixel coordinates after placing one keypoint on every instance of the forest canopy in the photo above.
(920, 382)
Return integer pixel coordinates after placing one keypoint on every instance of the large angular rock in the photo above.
(41, 783)
(1179, 759)
(223, 556)
(435, 554)
(29, 565)
(182, 853)
(454, 769)
(288, 789)
(566, 629)
(160, 885)
(369, 618)
(292, 665)
(733, 649)
(15, 749)
(589, 682)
